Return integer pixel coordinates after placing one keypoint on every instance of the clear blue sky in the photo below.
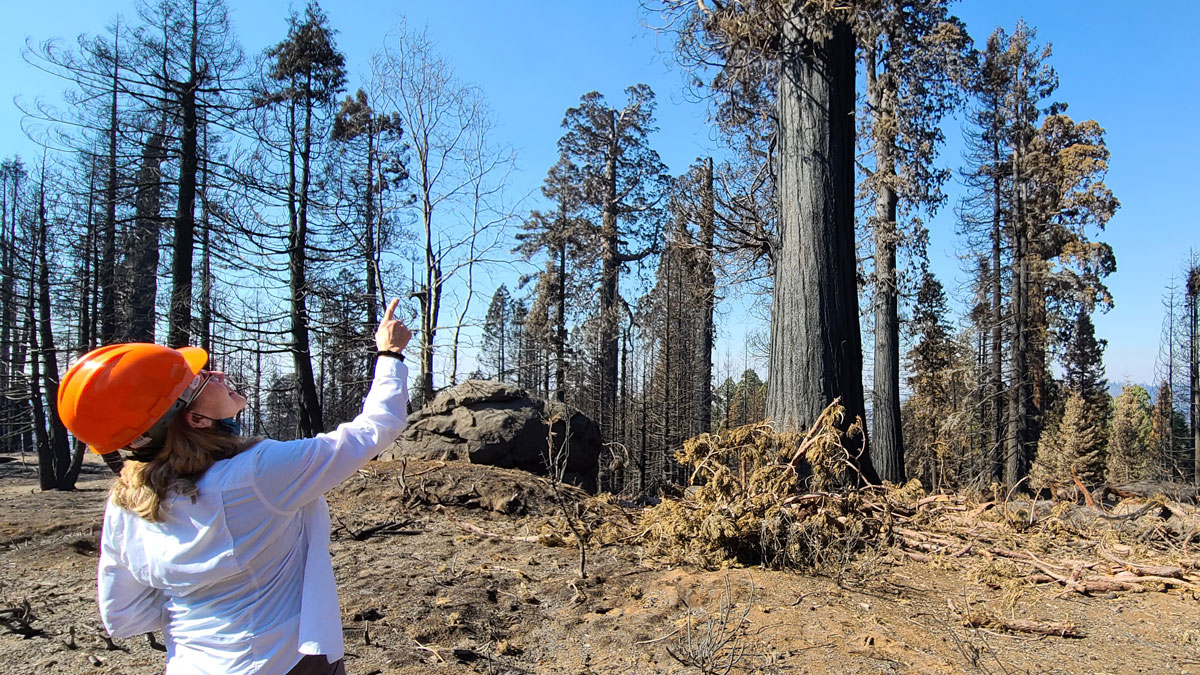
(1130, 66)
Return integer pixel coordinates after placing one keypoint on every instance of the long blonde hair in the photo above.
(186, 454)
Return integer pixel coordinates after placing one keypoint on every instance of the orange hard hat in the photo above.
(125, 395)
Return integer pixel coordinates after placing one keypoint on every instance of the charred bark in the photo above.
(141, 258)
(63, 470)
(106, 269)
(610, 254)
(1016, 460)
(816, 349)
(708, 292)
(995, 390)
(179, 331)
(887, 448)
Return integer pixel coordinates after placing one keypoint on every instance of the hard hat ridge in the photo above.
(125, 395)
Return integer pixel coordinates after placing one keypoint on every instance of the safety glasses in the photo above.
(192, 392)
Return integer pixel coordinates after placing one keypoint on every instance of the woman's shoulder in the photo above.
(262, 454)
(236, 469)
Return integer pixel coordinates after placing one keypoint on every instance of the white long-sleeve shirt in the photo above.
(240, 579)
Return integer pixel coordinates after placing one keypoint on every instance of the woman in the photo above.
(221, 541)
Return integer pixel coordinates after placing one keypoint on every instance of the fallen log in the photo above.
(1150, 489)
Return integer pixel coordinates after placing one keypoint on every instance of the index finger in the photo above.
(391, 309)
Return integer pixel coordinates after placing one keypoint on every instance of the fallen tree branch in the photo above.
(1146, 570)
(1131, 516)
(441, 465)
(531, 539)
(977, 619)
(1132, 578)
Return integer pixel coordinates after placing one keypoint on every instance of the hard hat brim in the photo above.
(196, 358)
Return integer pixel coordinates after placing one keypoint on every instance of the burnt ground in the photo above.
(453, 568)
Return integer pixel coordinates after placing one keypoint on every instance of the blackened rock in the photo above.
(495, 423)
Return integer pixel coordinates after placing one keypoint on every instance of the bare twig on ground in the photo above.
(19, 620)
(390, 527)
(718, 647)
(579, 596)
(430, 649)
(109, 645)
(556, 460)
(530, 539)
(1134, 515)
(441, 465)
(1146, 570)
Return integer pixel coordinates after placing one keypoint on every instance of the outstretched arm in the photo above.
(290, 474)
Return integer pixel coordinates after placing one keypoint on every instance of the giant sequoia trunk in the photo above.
(1037, 329)
(179, 331)
(887, 446)
(370, 239)
(369, 236)
(816, 350)
(206, 276)
(560, 323)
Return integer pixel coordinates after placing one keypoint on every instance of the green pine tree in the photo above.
(930, 405)
(1074, 449)
(1083, 362)
(1129, 452)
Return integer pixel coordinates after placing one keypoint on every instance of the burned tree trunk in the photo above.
(179, 330)
(887, 450)
(995, 389)
(816, 349)
(141, 257)
(63, 470)
(106, 270)
(708, 292)
(1016, 461)
(1194, 374)
(609, 275)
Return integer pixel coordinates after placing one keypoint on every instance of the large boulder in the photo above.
(495, 423)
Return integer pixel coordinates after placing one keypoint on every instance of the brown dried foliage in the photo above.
(761, 495)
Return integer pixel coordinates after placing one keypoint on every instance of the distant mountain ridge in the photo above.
(1114, 388)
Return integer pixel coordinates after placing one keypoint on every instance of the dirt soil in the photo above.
(453, 568)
